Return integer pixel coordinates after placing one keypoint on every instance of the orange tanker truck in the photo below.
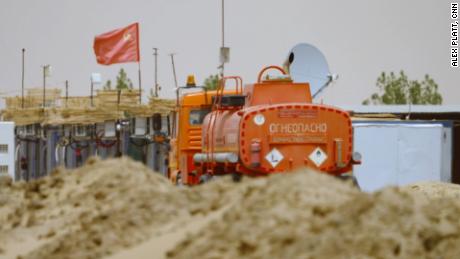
(267, 127)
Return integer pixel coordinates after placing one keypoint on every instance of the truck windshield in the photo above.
(197, 116)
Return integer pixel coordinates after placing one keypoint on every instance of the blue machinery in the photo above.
(41, 148)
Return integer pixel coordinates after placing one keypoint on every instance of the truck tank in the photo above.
(273, 126)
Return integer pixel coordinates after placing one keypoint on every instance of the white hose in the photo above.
(59, 153)
(16, 153)
(18, 169)
(56, 154)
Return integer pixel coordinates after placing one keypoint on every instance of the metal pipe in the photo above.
(174, 68)
(225, 157)
(91, 94)
(17, 175)
(223, 36)
(44, 85)
(140, 82)
(37, 154)
(22, 86)
(156, 71)
(118, 129)
(66, 92)
(175, 78)
(46, 72)
(43, 160)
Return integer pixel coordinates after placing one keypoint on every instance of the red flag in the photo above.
(118, 46)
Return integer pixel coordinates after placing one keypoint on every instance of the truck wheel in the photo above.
(205, 178)
(202, 179)
(179, 181)
(236, 177)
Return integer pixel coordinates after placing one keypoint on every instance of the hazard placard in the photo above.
(274, 157)
(318, 156)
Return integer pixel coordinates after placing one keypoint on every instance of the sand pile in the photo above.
(435, 190)
(307, 215)
(95, 210)
(119, 209)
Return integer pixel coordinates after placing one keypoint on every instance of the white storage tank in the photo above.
(401, 153)
(7, 148)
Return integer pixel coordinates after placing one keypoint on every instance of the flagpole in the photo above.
(44, 85)
(92, 86)
(140, 84)
(223, 38)
(139, 63)
(156, 71)
(22, 88)
(66, 92)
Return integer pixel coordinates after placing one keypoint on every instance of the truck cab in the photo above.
(186, 140)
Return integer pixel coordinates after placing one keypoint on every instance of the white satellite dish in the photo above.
(306, 64)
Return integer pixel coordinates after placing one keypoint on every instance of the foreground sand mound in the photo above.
(120, 209)
(307, 215)
(435, 190)
(95, 210)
